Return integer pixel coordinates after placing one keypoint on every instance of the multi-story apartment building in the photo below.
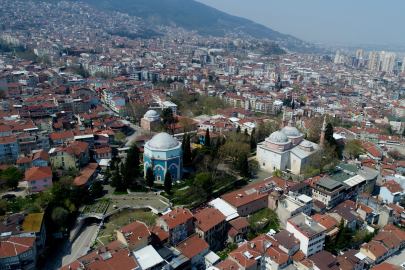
(210, 224)
(18, 253)
(9, 148)
(178, 224)
(328, 191)
(310, 233)
(290, 206)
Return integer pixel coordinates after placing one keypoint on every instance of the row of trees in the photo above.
(126, 175)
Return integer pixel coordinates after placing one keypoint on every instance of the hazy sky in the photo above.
(357, 21)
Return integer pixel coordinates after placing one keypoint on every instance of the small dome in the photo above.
(163, 141)
(291, 131)
(151, 113)
(278, 137)
(306, 144)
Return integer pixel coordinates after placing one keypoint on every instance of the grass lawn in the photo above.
(120, 192)
(145, 190)
(108, 231)
(169, 197)
(182, 185)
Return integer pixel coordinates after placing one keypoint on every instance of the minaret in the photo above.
(323, 131)
(284, 119)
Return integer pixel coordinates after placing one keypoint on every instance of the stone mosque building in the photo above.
(287, 150)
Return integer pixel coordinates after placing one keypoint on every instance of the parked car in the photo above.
(8, 197)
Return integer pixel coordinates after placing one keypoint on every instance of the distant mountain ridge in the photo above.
(190, 15)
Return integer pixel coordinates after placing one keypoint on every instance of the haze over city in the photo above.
(369, 22)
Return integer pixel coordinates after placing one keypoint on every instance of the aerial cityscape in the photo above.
(172, 135)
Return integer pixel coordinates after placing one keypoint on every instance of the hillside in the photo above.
(190, 15)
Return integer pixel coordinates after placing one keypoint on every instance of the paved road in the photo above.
(398, 258)
(82, 243)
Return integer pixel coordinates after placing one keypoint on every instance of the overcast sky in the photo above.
(355, 21)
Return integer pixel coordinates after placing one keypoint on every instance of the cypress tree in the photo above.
(238, 129)
(246, 132)
(207, 141)
(187, 152)
(117, 180)
(223, 141)
(243, 165)
(253, 134)
(168, 183)
(150, 177)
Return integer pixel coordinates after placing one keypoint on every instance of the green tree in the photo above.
(187, 152)
(207, 139)
(330, 245)
(96, 189)
(243, 165)
(59, 215)
(2, 93)
(168, 183)
(278, 173)
(238, 129)
(116, 180)
(344, 236)
(150, 177)
(4, 207)
(12, 176)
(246, 132)
(131, 172)
(353, 149)
(204, 180)
(119, 137)
(403, 133)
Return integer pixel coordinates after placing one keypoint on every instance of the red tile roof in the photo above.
(208, 218)
(192, 246)
(15, 245)
(177, 217)
(36, 173)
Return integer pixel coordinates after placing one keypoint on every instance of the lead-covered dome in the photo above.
(163, 141)
(291, 131)
(278, 137)
(151, 113)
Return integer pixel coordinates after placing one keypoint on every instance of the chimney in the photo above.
(6, 220)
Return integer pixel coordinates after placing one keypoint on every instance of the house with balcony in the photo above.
(39, 178)
(178, 223)
(135, 235)
(210, 225)
(375, 251)
(328, 191)
(310, 233)
(392, 192)
(18, 253)
(236, 230)
(9, 148)
(67, 156)
(21, 225)
(194, 248)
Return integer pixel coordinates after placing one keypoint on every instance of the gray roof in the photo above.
(299, 186)
(299, 221)
(278, 137)
(328, 183)
(151, 113)
(162, 141)
(291, 131)
(286, 239)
